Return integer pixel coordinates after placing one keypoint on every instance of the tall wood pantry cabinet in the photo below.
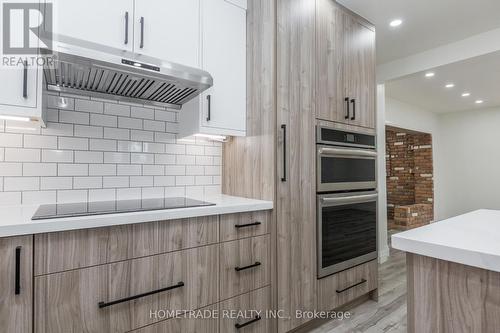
(309, 61)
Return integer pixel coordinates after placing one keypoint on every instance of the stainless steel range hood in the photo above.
(81, 67)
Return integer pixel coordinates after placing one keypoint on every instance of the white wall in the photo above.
(471, 161)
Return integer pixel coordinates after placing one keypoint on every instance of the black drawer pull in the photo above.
(238, 326)
(354, 285)
(247, 267)
(247, 225)
(123, 300)
(17, 283)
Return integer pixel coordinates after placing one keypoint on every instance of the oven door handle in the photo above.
(351, 199)
(349, 152)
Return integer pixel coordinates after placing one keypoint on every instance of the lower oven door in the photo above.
(347, 231)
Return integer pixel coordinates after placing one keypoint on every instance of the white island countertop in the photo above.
(16, 220)
(471, 239)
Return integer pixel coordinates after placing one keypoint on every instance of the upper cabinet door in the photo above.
(224, 57)
(107, 22)
(168, 30)
(360, 71)
(330, 62)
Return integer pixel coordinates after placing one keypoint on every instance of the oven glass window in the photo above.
(347, 170)
(348, 231)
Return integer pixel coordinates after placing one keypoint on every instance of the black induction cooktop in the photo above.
(114, 207)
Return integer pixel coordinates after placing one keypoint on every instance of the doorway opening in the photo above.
(410, 183)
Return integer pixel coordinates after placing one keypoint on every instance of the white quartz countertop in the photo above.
(471, 239)
(16, 220)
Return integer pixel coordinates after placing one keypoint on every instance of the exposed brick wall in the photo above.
(409, 171)
(412, 216)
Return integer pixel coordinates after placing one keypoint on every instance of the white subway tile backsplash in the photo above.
(102, 145)
(89, 106)
(21, 184)
(102, 170)
(73, 117)
(11, 169)
(73, 143)
(88, 131)
(95, 149)
(103, 120)
(56, 183)
(140, 112)
(11, 140)
(39, 169)
(39, 141)
(61, 156)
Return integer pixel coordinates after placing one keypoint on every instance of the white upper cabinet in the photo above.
(169, 30)
(108, 22)
(220, 110)
(20, 83)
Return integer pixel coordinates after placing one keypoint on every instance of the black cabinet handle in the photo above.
(353, 101)
(209, 107)
(238, 326)
(354, 285)
(127, 299)
(142, 33)
(347, 111)
(247, 225)
(283, 127)
(17, 286)
(126, 28)
(238, 269)
(25, 79)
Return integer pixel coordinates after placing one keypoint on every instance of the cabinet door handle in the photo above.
(17, 286)
(126, 28)
(25, 78)
(354, 285)
(142, 33)
(238, 226)
(238, 326)
(127, 299)
(283, 127)
(238, 269)
(347, 111)
(353, 101)
(209, 107)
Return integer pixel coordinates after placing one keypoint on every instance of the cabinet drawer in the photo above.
(118, 297)
(245, 265)
(237, 226)
(343, 287)
(186, 325)
(61, 251)
(253, 307)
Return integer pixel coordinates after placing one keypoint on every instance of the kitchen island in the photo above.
(453, 270)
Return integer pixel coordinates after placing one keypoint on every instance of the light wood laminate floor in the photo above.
(386, 315)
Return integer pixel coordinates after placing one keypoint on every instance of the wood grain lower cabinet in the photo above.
(61, 251)
(341, 288)
(96, 299)
(16, 276)
(186, 325)
(243, 225)
(244, 266)
(252, 307)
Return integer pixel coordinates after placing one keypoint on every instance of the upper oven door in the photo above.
(342, 169)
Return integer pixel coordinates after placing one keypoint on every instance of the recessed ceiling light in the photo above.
(479, 101)
(449, 85)
(395, 23)
(430, 74)
(465, 94)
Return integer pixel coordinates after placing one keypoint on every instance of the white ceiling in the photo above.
(426, 23)
(479, 76)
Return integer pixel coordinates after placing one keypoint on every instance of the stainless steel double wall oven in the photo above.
(346, 199)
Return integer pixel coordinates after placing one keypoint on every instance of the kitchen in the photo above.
(207, 166)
